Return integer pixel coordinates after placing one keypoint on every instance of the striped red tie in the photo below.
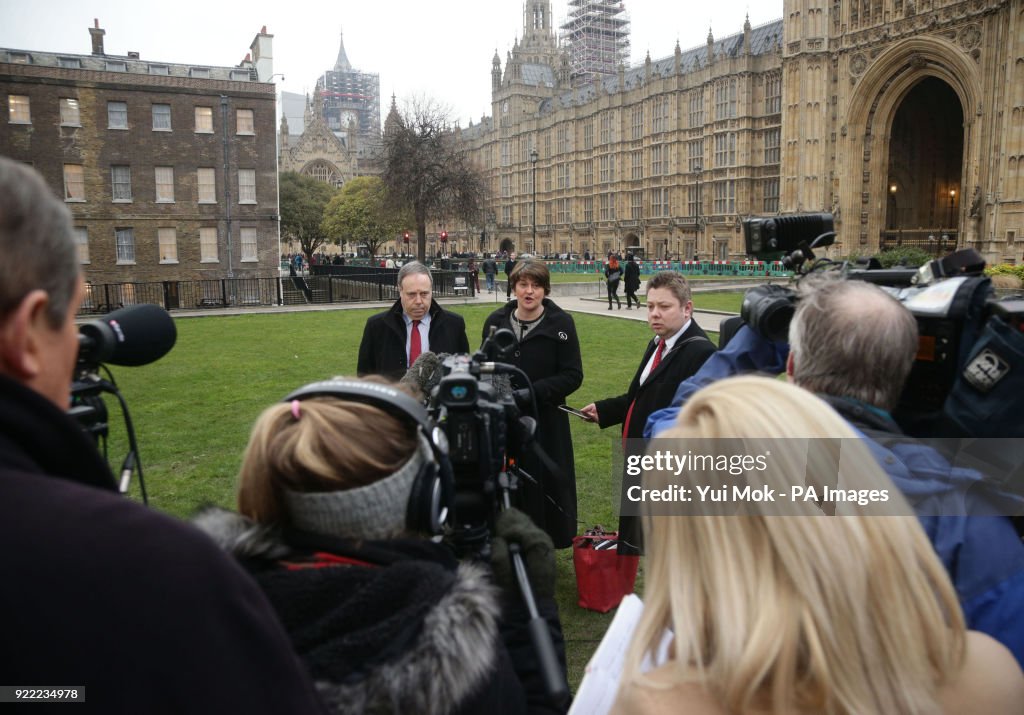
(629, 412)
(414, 342)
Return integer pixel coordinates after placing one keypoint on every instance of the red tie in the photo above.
(629, 412)
(414, 342)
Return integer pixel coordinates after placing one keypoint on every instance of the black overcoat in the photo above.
(550, 357)
(631, 276)
(683, 360)
(382, 350)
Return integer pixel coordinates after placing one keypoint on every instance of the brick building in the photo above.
(138, 149)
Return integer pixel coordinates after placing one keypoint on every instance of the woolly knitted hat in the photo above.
(374, 511)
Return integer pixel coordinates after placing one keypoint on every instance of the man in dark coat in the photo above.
(510, 264)
(631, 281)
(676, 352)
(548, 351)
(138, 611)
(389, 345)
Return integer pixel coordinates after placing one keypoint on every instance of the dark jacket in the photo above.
(142, 610)
(550, 357)
(613, 275)
(383, 626)
(684, 359)
(631, 276)
(382, 350)
(509, 265)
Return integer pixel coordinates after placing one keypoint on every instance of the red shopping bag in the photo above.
(603, 577)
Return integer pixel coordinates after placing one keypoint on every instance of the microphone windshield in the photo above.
(132, 336)
(425, 373)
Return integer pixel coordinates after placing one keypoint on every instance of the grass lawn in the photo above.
(594, 277)
(193, 409)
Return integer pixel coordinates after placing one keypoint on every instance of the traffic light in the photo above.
(444, 237)
(407, 237)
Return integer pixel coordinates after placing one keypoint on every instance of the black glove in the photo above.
(522, 397)
(538, 552)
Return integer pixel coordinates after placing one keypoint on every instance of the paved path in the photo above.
(587, 302)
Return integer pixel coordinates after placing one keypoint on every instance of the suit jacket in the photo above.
(382, 350)
(684, 359)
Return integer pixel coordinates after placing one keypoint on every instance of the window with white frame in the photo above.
(772, 139)
(206, 180)
(249, 253)
(725, 149)
(506, 153)
(116, 66)
(696, 155)
(564, 176)
(547, 209)
(659, 118)
(588, 209)
(72, 63)
(82, 243)
(588, 172)
(636, 122)
(773, 93)
(659, 202)
(636, 164)
(121, 183)
(607, 207)
(161, 117)
(164, 176)
(636, 204)
(725, 99)
(694, 195)
(246, 186)
(163, 70)
(607, 127)
(588, 134)
(506, 215)
(204, 120)
(547, 179)
(563, 139)
(725, 197)
(607, 169)
(697, 108)
(199, 72)
(659, 160)
(771, 195)
(117, 115)
(167, 244)
(70, 112)
(19, 109)
(124, 239)
(74, 182)
(208, 245)
(564, 215)
(547, 143)
(506, 185)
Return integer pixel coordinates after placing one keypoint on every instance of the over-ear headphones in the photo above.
(432, 499)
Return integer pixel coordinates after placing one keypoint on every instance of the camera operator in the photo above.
(854, 345)
(100, 593)
(335, 515)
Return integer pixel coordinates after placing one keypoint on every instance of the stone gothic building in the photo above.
(905, 119)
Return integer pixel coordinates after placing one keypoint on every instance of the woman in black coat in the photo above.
(612, 275)
(548, 351)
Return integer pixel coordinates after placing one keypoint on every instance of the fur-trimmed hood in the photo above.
(394, 635)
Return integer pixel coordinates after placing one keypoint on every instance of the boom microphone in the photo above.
(137, 335)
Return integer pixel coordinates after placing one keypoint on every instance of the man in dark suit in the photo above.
(676, 352)
(415, 324)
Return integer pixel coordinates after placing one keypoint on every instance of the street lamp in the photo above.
(533, 180)
(952, 197)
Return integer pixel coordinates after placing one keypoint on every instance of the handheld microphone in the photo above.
(132, 336)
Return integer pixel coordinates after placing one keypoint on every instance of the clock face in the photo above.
(504, 107)
(348, 117)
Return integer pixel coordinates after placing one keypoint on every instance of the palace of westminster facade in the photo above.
(903, 118)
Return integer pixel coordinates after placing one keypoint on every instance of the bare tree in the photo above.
(428, 171)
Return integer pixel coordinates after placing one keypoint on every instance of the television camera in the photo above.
(968, 340)
(132, 336)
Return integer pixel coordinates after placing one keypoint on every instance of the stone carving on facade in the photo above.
(975, 210)
(858, 63)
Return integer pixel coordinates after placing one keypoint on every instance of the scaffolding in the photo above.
(597, 38)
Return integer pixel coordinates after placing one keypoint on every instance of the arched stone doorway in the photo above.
(926, 150)
(507, 246)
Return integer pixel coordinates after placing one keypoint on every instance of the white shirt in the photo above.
(669, 344)
(424, 328)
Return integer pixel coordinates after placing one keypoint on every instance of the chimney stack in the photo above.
(97, 37)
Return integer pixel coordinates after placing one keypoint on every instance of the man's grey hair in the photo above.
(412, 268)
(36, 242)
(849, 338)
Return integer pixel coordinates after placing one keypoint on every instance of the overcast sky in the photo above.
(440, 49)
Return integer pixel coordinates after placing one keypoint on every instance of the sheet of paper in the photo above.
(601, 677)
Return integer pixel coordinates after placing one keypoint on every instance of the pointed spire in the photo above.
(342, 65)
(746, 23)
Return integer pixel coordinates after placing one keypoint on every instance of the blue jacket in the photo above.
(961, 513)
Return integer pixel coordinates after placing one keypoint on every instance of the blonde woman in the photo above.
(802, 613)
